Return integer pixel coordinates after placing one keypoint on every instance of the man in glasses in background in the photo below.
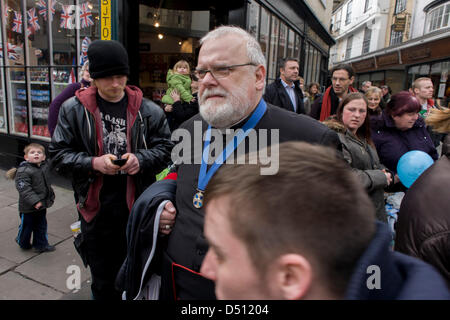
(231, 71)
(342, 77)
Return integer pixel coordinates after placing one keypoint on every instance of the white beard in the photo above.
(226, 114)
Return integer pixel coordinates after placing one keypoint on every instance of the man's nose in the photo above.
(208, 80)
(207, 269)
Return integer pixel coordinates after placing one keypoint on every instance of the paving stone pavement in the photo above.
(25, 275)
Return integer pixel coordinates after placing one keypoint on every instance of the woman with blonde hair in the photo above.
(373, 95)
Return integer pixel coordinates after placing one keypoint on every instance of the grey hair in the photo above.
(365, 82)
(83, 69)
(254, 52)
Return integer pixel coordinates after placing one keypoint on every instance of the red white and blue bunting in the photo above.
(72, 16)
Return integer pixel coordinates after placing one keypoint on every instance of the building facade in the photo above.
(44, 44)
(411, 39)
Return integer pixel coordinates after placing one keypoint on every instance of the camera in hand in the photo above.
(119, 162)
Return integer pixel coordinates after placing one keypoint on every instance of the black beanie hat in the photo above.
(107, 58)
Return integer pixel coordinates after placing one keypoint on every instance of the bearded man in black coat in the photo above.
(231, 71)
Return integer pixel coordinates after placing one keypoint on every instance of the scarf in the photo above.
(325, 111)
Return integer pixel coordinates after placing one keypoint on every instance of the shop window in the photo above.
(15, 60)
(298, 48)
(264, 33)
(3, 120)
(291, 43)
(438, 18)
(306, 64)
(41, 41)
(282, 42)
(253, 18)
(319, 63)
(273, 56)
(310, 63)
(366, 41)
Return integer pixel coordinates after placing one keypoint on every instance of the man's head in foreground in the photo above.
(279, 237)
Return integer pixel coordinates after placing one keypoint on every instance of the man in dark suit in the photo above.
(285, 92)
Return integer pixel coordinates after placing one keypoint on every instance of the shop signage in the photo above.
(388, 59)
(399, 24)
(417, 53)
(105, 19)
(364, 65)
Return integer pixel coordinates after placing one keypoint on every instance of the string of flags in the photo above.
(69, 14)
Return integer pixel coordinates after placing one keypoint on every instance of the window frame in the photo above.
(366, 42)
(400, 6)
(348, 16)
(348, 48)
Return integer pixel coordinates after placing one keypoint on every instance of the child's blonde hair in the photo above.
(33, 145)
(182, 63)
(11, 173)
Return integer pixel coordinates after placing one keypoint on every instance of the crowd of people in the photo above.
(216, 227)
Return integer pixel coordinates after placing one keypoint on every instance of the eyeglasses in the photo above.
(219, 72)
(340, 79)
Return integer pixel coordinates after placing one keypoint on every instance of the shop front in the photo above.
(45, 45)
(401, 66)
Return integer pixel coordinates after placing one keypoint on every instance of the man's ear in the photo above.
(293, 276)
(351, 80)
(260, 77)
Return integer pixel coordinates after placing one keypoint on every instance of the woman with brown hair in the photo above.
(352, 125)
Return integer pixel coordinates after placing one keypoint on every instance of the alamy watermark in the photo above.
(374, 280)
(189, 149)
(73, 281)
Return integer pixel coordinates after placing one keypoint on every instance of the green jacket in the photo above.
(180, 82)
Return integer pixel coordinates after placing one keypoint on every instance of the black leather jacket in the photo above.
(75, 140)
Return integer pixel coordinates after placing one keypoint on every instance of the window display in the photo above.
(29, 87)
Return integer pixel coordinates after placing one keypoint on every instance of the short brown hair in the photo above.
(313, 206)
(33, 145)
(346, 67)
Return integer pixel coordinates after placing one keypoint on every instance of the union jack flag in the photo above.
(66, 17)
(14, 52)
(42, 4)
(86, 16)
(84, 47)
(17, 22)
(33, 19)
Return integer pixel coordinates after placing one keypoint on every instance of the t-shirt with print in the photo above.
(114, 123)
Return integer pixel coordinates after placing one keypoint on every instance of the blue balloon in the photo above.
(411, 165)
